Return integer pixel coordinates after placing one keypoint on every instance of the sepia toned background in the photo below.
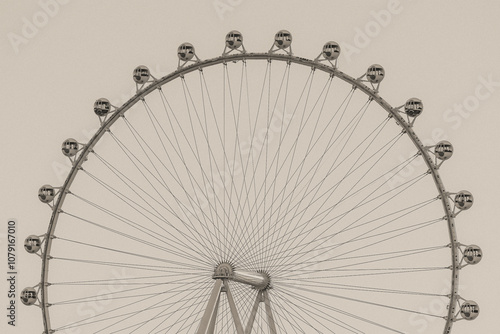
(58, 56)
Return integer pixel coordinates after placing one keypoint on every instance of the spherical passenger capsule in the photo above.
(141, 74)
(375, 73)
(283, 39)
(464, 200)
(46, 193)
(32, 244)
(102, 107)
(473, 254)
(28, 296)
(443, 150)
(469, 310)
(234, 39)
(331, 50)
(414, 107)
(185, 51)
(70, 147)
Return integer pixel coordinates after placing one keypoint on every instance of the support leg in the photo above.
(211, 327)
(270, 318)
(211, 310)
(255, 308)
(234, 311)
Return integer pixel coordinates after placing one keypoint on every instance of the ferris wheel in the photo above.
(253, 193)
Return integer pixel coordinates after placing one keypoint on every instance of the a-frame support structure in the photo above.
(258, 281)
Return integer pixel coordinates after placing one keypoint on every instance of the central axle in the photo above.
(258, 280)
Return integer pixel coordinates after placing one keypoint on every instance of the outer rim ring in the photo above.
(393, 112)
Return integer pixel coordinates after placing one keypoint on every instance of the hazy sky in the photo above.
(59, 56)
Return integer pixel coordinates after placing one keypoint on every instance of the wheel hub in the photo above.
(258, 280)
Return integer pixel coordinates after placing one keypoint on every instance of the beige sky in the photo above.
(56, 59)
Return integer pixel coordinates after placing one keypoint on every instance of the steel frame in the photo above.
(157, 84)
